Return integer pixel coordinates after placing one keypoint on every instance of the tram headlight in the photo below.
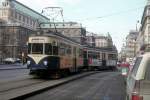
(28, 62)
(45, 63)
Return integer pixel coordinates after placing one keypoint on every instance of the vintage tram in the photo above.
(49, 53)
(56, 54)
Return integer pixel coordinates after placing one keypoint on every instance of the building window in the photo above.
(16, 15)
(30, 22)
(23, 18)
(27, 20)
(19, 17)
(0, 13)
(12, 13)
(4, 13)
(34, 24)
(4, 4)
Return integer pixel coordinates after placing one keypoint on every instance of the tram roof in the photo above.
(56, 34)
(103, 49)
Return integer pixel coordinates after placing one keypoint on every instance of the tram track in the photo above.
(29, 87)
(13, 85)
(19, 84)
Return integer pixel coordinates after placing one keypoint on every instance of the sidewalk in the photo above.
(12, 66)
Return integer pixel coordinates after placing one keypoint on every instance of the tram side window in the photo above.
(97, 56)
(48, 49)
(68, 51)
(103, 56)
(62, 51)
(94, 55)
(85, 54)
(37, 48)
(80, 53)
(111, 56)
(90, 55)
(55, 50)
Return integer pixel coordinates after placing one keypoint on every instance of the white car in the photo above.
(138, 81)
(11, 60)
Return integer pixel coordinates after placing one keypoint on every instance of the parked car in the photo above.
(12, 60)
(138, 81)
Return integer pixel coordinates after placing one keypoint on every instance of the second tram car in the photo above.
(99, 58)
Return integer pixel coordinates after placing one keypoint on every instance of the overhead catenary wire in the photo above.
(111, 14)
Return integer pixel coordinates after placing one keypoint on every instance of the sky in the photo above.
(117, 17)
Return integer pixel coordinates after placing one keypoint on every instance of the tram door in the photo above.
(74, 58)
(85, 62)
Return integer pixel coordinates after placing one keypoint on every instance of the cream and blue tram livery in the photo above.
(50, 53)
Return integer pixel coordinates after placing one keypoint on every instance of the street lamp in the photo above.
(137, 25)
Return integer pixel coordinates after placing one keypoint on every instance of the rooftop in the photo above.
(26, 10)
(61, 25)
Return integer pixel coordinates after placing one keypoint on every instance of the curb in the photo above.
(11, 68)
(29, 94)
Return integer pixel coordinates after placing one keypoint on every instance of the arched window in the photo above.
(5, 4)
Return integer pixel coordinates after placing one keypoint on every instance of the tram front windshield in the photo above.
(37, 48)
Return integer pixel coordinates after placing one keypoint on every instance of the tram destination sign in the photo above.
(37, 40)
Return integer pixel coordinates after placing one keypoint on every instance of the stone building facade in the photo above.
(90, 39)
(13, 41)
(14, 12)
(130, 48)
(143, 39)
(103, 41)
(17, 21)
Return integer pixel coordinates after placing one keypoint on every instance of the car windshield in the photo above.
(136, 65)
(147, 73)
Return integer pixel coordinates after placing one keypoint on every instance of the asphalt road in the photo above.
(8, 75)
(12, 66)
(100, 86)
